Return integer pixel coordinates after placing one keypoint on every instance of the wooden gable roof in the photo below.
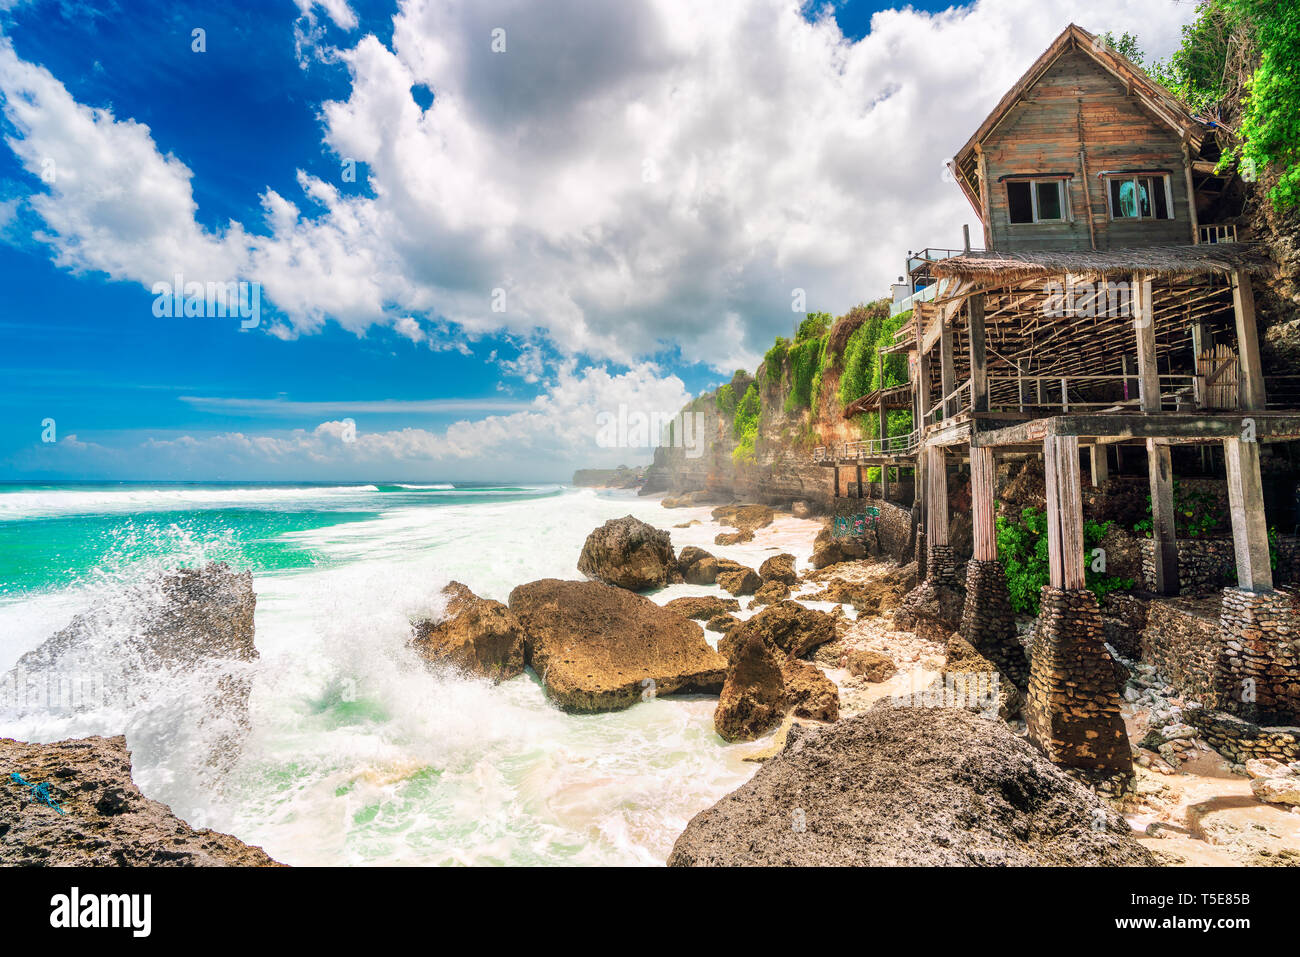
(1150, 95)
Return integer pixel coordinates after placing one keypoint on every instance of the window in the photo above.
(1140, 197)
(1036, 200)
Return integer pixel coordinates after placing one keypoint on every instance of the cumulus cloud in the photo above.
(540, 440)
(618, 178)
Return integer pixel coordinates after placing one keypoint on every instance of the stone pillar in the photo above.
(987, 621)
(1073, 705)
(1259, 666)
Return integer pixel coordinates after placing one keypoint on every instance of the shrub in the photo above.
(726, 400)
(1022, 549)
(745, 425)
(806, 358)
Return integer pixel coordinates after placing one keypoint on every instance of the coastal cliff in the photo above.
(754, 436)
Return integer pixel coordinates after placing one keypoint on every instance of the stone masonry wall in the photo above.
(940, 564)
(1181, 638)
(1240, 740)
(1205, 565)
(988, 622)
(1073, 705)
(1261, 657)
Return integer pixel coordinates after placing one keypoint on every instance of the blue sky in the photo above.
(644, 184)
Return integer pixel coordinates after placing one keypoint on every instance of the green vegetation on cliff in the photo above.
(745, 426)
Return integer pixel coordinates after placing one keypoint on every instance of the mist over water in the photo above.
(357, 752)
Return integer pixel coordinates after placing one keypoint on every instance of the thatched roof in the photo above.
(1208, 259)
(894, 397)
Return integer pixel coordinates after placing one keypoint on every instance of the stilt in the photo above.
(1144, 325)
(1100, 465)
(940, 565)
(836, 470)
(947, 370)
(979, 378)
(1073, 708)
(1163, 533)
(860, 492)
(1249, 526)
(1252, 373)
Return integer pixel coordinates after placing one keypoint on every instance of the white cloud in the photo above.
(282, 407)
(542, 440)
(630, 175)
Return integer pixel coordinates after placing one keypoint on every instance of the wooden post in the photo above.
(836, 469)
(1144, 325)
(947, 368)
(979, 369)
(982, 478)
(1100, 466)
(1163, 532)
(1064, 511)
(1249, 526)
(1252, 373)
(859, 467)
(923, 386)
(936, 506)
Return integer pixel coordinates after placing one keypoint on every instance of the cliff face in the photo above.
(781, 468)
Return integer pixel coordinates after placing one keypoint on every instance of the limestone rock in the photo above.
(628, 553)
(909, 786)
(779, 568)
(697, 567)
(477, 635)
(1267, 768)
(788, 627)
(733, 538)
(801, 510)
(599, 648)
(809, 693)
(753, 695)
(723, 624)
(703, 607)
(871, 665)
(739, 581)
(770, 592)
(1284, 790)
(106, 821)
(746, 518)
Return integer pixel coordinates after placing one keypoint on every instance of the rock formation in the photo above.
(600, 648)
(913, 787)
(105, 820)
(779, 568)
(477, 635)
(703, 607)
(628, 553)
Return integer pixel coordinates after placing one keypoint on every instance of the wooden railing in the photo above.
(1217, 234)
(1071, 393)
(868, 448)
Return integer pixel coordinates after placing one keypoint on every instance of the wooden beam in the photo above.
(983, 472)
(1064, 512)
(1100, 465)
(936, 506)
(1252, 373)
(1249, 526)
(1144, 326)
(947, 371)
(979, 363)
(1163, 533)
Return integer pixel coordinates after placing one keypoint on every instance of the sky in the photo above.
(464, 236)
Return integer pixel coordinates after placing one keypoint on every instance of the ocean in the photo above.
(358, 753)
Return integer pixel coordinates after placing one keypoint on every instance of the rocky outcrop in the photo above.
(787, 627)
(779, 568)
(696, 566)
(600, 648)
(744, 518)
(628, 553)
(753, 695)
(808, 692)
(180, 636)
(770, 592)
(829, 550)
(703, 607)
(738, 579)
(870, 665)
(101, 819)
(912, 787)
(477, 635)
(723, 624)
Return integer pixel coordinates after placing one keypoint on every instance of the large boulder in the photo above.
(787, 627)
(770, 592)
(703, 607)
(106, 821)
(779, 568)
(753, 695)
(696, 566)
(829, 550)
(181, 639)
(600, 648)
(628, 553)
(477, 635)
(738, 580)
(912, 787)
(869, 665)
(808, 692)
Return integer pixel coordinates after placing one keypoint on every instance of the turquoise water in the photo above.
(357, 752)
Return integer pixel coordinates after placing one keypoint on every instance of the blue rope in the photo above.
(40, 792)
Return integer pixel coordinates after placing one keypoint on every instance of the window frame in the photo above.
(1033, 182)
(1121, 177)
